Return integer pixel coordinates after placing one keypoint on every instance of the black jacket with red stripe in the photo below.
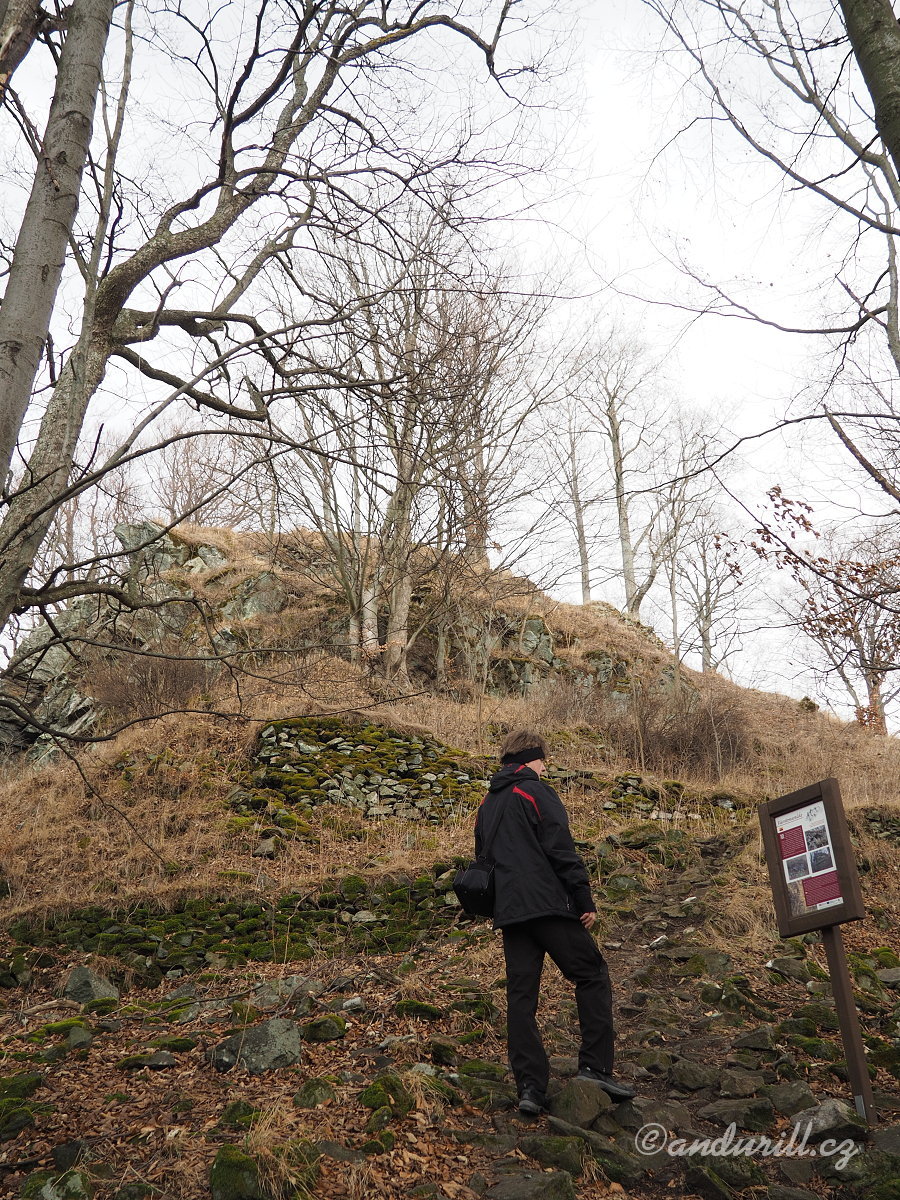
(537, 870)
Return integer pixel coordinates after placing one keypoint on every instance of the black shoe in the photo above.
(615, 1090)
(531, 1102)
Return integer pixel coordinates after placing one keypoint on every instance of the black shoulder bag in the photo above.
(474, 884)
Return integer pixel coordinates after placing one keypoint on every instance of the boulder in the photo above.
(790, 1097)
(761, 1038)
(790, 968)
(579, 1102)
(549, 1185)
(617, 1163)
(830, 1119)
(85, 985)
(737, 1082)
(563, 1153)
(265, 1047)
(685, 1073)
(314, 1092)
(324, 1029)
(887, 1140)
(234, 1175)
(72, 1185)
(754, 1114)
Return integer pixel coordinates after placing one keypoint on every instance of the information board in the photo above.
(810, 859)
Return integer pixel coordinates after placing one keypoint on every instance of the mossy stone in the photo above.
(324, 1029)
(380, 1145)
(816, 1048)
(71, 1185)
(314, 1092)
(442, 1052)
(563, 1153)
(178, 1045)
(417, 1008)
(387, 1089)
(380, 1119)
(20, 1087)
(239, 1115)
(480, 1069)
(234, 1175)
(804, 1026)
(14, 1117)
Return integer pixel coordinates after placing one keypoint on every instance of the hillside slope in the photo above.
(286, 856)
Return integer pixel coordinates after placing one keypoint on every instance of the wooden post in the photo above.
(851, 1034)
(815, 886)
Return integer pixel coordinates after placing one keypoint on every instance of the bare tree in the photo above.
(618, 387)
(304, 128)
(577, 480)
(404, 469)
(791, 81)
(850, 614)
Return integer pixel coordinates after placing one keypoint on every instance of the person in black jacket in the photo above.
(543, 905)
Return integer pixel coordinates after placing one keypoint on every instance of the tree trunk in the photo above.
(440, 659)
(875, 37)
(43, 239)
(875, 716)
(397, 635)
(33, 508)
(20, 22)
(580, 533)
(632, 598)
(673, 601)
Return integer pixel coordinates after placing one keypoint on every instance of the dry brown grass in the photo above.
(145, 816)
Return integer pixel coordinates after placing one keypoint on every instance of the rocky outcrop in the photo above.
(182, 595)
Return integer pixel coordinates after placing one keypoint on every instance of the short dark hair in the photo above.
(524, 739)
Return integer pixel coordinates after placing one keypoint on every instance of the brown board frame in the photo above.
(851, 907)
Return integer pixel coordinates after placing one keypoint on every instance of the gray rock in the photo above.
(579, 1102)
(340, 1153)
(890, 977)
(79, 1038)
(643, 1110)
(790, 968)
(887, 1140)
(563, 1153)
(266, 848)
(762, 1038)
(796, 1170)
(830, 1119)
(265, 1047)
(72, 1185)
(548, 1185)
(754, 1114)
(738, 1082)
(616, 1163)
(789, 1097)
(85, 985)
(685, 1073)
(314, 1092)
(702, 1181)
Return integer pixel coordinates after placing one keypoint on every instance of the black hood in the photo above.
(511, 773)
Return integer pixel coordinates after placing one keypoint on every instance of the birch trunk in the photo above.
(632, 596)
(43, 240)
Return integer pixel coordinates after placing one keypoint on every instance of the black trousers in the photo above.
(576, 954)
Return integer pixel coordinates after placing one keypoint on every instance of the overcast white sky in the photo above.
(630, 211)
(620, 216)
